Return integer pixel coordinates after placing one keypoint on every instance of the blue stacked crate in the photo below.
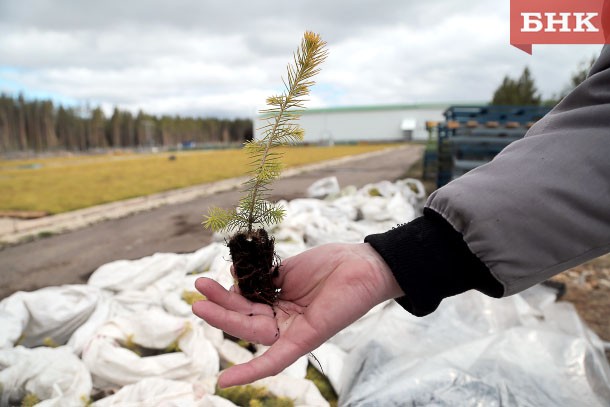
(474, 135)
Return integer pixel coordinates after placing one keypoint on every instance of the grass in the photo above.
(323, 384)
(252, 396)
(56, 185)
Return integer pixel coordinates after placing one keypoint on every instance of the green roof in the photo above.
(373, 108)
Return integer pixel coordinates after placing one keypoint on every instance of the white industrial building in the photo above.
(366, 123)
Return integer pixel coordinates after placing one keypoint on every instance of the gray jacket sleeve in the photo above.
(542, 205)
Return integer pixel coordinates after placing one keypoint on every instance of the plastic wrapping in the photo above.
(297, 370)
(303, 392)
(111, 361)
(161, 270)
(54, 375)
(329, 359)
(525, 350)
(232, 354)
(46, 316)
(477, 351)
(164, 392)
(323, 187)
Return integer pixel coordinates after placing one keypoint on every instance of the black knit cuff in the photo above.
(431, 261)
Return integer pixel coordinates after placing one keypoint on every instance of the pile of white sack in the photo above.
(64, 344)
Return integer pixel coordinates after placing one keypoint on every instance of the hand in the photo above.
(323, 291)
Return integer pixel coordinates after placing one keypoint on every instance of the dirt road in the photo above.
(71, 257)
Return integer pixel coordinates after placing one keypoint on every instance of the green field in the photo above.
(62, 184)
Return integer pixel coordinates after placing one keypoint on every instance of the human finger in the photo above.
(230, 300)
(277, 358)
(252, 328)
(235, 286)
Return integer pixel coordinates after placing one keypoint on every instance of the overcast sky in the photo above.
(201, 57)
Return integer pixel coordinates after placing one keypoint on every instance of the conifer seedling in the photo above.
(252, 250)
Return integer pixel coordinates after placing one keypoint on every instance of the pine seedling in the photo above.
(280, 129)
(252, 250)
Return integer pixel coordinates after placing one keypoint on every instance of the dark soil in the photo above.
(255, 265)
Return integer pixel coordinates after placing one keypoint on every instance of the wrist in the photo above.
(389, 287)
(431, 261)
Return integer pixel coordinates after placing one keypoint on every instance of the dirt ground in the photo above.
(588, 288)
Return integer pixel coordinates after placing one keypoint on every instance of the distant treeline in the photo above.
(40, 126)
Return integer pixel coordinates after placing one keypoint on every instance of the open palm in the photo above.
(323, 290)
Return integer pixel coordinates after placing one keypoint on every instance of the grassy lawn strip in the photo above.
(56, 185)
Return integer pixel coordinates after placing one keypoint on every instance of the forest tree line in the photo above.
(522, 90)
(35, 125)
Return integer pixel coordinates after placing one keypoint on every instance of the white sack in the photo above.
(329, 359)
(202, 260)
(413, 189)
(375, 209)
(51, 313)
(210, 400)
(102, 312)
(173, 301)
(362, 329)
(351, 215)
(324, 187)
(55, 375)
(155, 391)
(302, 391)
(160, 270)
(288, 242)
(297, 370)
(233, 354)
(346, 207)
(111, 364)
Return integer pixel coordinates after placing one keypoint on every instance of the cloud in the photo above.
(210, 57)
